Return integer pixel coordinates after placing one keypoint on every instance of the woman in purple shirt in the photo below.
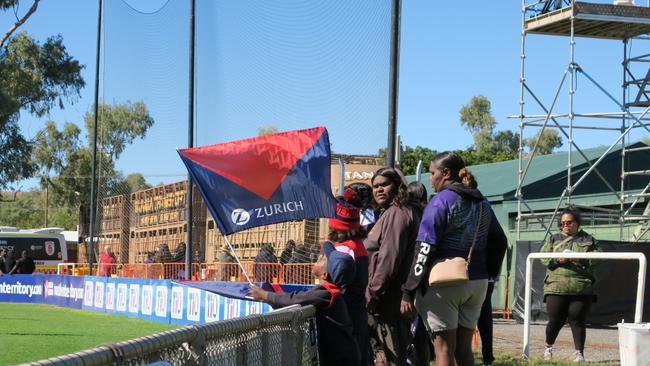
(456, 218)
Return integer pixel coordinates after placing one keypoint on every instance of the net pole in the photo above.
(341, 177)
(232, 250)
(393, 82)
(190, 143)
(93, 193)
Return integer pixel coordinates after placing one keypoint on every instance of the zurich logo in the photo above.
(239, 216)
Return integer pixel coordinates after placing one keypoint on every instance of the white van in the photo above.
(46, 246)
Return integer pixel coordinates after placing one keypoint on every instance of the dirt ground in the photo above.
(601, 345)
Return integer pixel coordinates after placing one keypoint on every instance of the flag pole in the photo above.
(232, 250)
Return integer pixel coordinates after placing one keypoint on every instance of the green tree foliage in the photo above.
(477, 116)
(65, 158)
(266, 130)
(410, 158)
(490, 146)
(27, 211)
(136, 182)
(548, 141)
(34, 78)
(7, 4)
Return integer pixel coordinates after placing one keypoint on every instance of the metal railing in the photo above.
(638, 310)
(293, 273)
(283, 337)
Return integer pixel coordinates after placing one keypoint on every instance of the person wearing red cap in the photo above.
(346, 233)
(336, 344)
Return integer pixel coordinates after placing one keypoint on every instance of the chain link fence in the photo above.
(283, 337)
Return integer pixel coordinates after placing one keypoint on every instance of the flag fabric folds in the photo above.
(264, 180)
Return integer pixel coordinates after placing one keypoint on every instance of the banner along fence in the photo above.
(284, 337)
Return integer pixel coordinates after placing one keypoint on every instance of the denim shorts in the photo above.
(445, 308)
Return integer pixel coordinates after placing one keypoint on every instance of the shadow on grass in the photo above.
(46, 334)
(510, 359)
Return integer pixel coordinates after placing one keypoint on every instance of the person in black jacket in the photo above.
(3, 255)
(336, 344)
(24, 265)
(10, 261)
(288, 251)
(265, 270)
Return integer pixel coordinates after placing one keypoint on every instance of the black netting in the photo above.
(259, 67)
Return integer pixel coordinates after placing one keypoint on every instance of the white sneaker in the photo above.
(579, 356)
(548, 353)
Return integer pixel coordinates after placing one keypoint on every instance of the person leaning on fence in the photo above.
(287, 252)
(106, 261)
(346, 233)
(264, 269)
(24, 265)
(149, 258)
(569, 283)
(226, 271)
(390, 245)
(3, 255)
(162, 255)
(336, 344)
(10, 261)
(178, 256)
(293, 272)
(457, 219)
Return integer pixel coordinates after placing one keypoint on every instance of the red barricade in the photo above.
(505, 285)
(265, 272)
(299, 273)
(221, 272)
(173, 271)
(152, 271)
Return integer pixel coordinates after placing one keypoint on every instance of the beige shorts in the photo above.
(445, 308)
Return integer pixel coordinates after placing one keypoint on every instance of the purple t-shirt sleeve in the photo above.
(432, 229)
(434, 218)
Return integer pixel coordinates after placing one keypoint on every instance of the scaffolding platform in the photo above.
(592, 20)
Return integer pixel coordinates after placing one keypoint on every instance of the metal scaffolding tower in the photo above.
(623, 22)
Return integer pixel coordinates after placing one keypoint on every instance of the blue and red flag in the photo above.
(264, 180)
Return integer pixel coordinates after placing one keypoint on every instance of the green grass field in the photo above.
(30, 332)
(513, 359)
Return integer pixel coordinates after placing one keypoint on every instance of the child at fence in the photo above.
(336, 344)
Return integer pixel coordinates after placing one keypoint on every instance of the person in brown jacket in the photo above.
(390, 245)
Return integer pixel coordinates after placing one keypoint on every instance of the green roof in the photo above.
(497, 180)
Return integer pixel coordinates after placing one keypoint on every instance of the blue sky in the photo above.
(295, 64)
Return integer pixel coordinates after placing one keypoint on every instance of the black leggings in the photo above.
(571, 308)
(485, 326)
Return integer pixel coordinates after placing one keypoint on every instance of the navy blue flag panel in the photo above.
(264, 180)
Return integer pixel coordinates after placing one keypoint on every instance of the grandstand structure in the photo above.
(621, 22)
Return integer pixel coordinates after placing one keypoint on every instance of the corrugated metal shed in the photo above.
(546, 176)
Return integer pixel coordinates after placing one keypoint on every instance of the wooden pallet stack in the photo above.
(159, 217)
(248, 243)
(113, 226)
